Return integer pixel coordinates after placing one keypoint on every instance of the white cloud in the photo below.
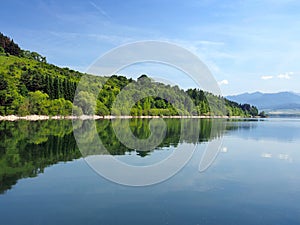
(224, 150)
(285, 75)
(205, 42)
(266, 77)
(223, 82)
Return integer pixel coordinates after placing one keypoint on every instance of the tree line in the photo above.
(29, 85)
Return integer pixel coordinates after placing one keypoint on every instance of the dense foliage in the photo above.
(29, 85)
(8, 46)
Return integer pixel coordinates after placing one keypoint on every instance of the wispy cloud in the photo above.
(206, 42)
(223, 82)
(285, 75)
(105, 38)
(102, 12)
(208, 51)
(266, 77)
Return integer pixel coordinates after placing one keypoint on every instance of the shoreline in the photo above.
(95, 117)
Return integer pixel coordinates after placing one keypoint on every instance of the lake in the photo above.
(252, 178)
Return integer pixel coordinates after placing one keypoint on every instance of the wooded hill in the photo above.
(30, 85)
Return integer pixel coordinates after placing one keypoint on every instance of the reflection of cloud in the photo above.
(284, 157)
(266, 77)
(266, 155)
(223, 82)
(224, 150)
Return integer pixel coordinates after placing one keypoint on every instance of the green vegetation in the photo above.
(29, 85)
(262, 114)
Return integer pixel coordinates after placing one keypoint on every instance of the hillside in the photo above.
(29, 85)
(273, 103)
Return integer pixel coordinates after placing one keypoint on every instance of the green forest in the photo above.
(29, 85)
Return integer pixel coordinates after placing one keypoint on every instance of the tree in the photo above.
(253, 111)
(86, 101)
(34, 56)
(13, 49)
(262, 114)
(3, 82)
(101, 109)
(56, 87)
(60, 107)
(24, 108)
(144, 80)
(38, 102)
(9, 46)
(6, 99)
(77, 111)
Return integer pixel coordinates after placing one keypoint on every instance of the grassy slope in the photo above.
(43, 68)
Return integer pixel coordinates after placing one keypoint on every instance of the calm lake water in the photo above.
(255, 178)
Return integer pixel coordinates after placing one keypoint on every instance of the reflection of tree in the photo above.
(27, 148)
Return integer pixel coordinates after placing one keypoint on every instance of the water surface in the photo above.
(254, 179)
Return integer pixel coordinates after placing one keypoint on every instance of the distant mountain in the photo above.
(276, 103)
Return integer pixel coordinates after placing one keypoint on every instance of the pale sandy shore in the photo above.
(94, 117)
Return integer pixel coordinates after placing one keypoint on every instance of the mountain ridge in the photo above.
(270, 102)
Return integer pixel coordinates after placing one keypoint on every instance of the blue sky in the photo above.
(248, 45)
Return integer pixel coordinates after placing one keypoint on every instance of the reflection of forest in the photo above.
(26, 148)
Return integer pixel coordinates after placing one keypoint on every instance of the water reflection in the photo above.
(27, 148)
(240, 188)
(278, 129)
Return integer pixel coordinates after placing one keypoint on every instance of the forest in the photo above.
(29, 85)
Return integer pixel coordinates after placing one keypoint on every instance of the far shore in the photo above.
(95, 117)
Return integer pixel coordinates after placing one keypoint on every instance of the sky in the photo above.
(247, 45)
